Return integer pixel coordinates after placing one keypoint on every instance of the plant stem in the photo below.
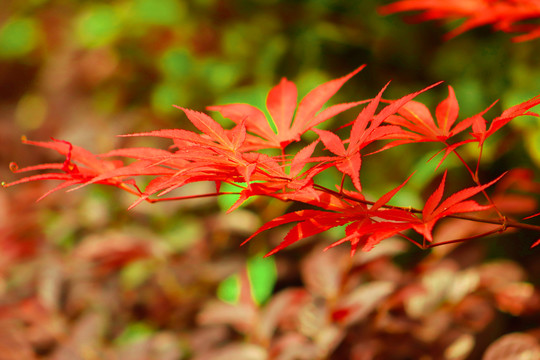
(501, 229)
(500, 221)
(187, 197)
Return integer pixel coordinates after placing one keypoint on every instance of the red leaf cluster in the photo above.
(239, 156)
(503, 15)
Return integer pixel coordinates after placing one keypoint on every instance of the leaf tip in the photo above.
(13, 167)
(531, 216)
(137, 202)
(247, 240)
(357, 70)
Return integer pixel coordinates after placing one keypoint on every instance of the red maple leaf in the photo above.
(290, 122)
(504, 15)
(366, 129)
(481, 132)
(219, 155)
(367, 232)
(89, 167)
(419, 126)
(434, 210)
(362, 230)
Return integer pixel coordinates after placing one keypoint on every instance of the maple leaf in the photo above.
(479, 124)
(215, 155)
(226, 156)
(309, 223)
(218, 155)
(214, 131)
(281, 104)
(434, 209)
(366, 233)
(90, 167)
(294, 186)
(361, 230)
(531, 216)
(419, 126)
(502, 14)
(349, 160)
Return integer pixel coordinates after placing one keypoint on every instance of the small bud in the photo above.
(3, 183)
(13, 166)
(24, 138)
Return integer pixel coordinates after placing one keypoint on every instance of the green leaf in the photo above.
(176, 63)
(532, 143)
(134, 332)
(134, 274)
(97, 26)
(229, 289)
(159, 12)
(165, 95)
(219, 75)
(18, 37)
(262, 274)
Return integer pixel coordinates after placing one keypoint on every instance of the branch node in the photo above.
(504, 224)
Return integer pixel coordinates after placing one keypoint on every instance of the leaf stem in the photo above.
(187, 197)
(476, 179)
(498, 230)
(500, 221)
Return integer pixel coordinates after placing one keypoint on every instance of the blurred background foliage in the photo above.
(85, 71)
(67, 65)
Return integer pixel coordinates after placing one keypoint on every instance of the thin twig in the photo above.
(187, 197)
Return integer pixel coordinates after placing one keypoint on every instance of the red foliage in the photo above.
(504, 15)
(235, 156)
